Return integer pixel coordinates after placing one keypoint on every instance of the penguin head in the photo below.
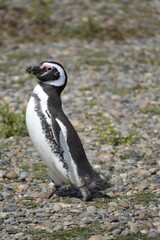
(50, 72)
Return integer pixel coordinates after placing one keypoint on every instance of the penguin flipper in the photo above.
(56, 131)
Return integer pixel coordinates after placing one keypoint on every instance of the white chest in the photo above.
(40, 130)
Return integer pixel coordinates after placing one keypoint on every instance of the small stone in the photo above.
(116, 232)
(153, 170)
(125, 232)
(112, 226)
(58, 227)
(153, 234)
(139, 173)
(23, 175)
(1, 197)
(11, 175)
(91, 209)
(2, 173)
(123, 204)
(112, 204)
(57, 207)
(96, 237)
(86, 221)
(18, 235)
(80, 238)
(142, 187)
(148, 225)
(143, 173)
(19, 187)
(158, 178)
(156, 224)
(133, 227)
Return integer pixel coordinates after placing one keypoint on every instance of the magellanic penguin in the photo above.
(53, 135)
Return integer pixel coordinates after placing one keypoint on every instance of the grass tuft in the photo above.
(108, 134)
(144, 198)
(40, 171)
(12, 124)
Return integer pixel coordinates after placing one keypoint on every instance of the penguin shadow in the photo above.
(73, 192)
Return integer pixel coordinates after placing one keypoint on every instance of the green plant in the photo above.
(144, 198)
(108, 134)
(12, 124)
(31, 204)
(40, 171)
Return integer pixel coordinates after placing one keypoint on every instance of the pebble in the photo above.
(116, 232)
(111, 226)
(123, 204)
(11, 175)
(1, 197)
(58, 227)
(125, 232)
(142, 187)
(148, 225)
(133, 227)
(139, 173)
(19, 187)
(96, 237)
(85, 221)
(23, 175)
(91, 209)
(115, 99)
(57, 207)
(153, 235)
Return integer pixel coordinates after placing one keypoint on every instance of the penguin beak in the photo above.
(35, 70)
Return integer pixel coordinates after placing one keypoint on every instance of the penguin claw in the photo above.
(85, 193)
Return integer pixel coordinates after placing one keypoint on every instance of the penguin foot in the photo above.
(85, 193)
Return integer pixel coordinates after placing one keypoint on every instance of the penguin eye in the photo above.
(49, 68)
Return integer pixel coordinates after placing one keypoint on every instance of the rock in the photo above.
(142, 186)
(123, 204)
(19, 187)
(58, 227)
(112, 226)
(125, 232)
(2, 173)
(86, 221)
(57, 207)
(91, 209)
(133, 227)
(143, 173)
(96, 237)
(153, 234)
(23, 175)
(116, 232)
(113, 204)
(139, 173)
(153, 170)
(11, 175)
(1, 197)
(80, 238)
(148, 225)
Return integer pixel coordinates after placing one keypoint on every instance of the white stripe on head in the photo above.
(61, 80)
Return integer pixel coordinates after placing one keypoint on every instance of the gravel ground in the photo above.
(112, 99)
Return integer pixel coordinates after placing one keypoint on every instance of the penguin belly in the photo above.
(47, 148)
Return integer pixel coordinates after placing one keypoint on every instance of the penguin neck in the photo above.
(53, 93)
